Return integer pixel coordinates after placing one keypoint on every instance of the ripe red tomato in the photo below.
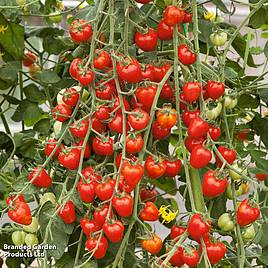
(146, 41)
(105, 190)
(89, 175)
(19, 211)
(86, 191)
(167, 92)
(188, 17)
(118, 159)
(160, 72)
(114, 230)
(155, 168)
(132, 173)
(176, 231)
(164, 31)
(101, 213)
(102, 113)
(61, 112)
(198, 128)
(104, 147)
(29, 58)
(159, 132)
(80, 31)
(134, 144)
(191, 143)
(247, 212)
(186, 56)
(191, 91)
(261, 176)
(190, 256)
(200, 157)
(215, 89)
(139, 119)
(75, 67)
(228, 154)
(50, 145)
(198, 227)
(173, 167)
(129, 71)
(98, 126)
(89, 226)
(98, 245)
(79, 128)
(70, 158)
(152, 245)
(116, 124)
(143, 1)
(87, 151)
(176, 259)
(148, 194)
(41, 180)
(166, 117)
(148, 72)
(187, 116)
(214, 132)
(212, 186)
(85, 77)
(70, 97)
(123, 204)
(149, 212)
(173, 15)
(103, 60)
(215, 251)
(183, 105)
(105, 91)
(116, 104)
(67, 212)
(146, 95)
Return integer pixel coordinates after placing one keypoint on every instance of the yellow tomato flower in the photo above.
(167, 214)
(209, 15)
(3, 28)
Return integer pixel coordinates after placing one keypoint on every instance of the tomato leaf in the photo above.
(48, 77)
(33, 93)
(248, 101)
(219, 4)
(166, 184)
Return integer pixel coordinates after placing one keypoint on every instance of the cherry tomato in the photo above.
(132, 173)
(149, 212)
(75, 67)
(101, 213)
(134, 144)
(114, 230)
(191, 91)
(29, 58)
(152, 245)
(105, 190)
(164, 31)
(228, 154)
(148, 72)
(218, 38)
(129, 71)
(187, 116)
(79, 128)
(89, 226)
(226, 223)
(191, 143)
(80, 31)
(61, 112)
(214, 132)
(166, 117)
(215, 89)
(50, 145)
(146, 41)
(188, 17)
(116, 124)
(102, 113)
(261, 176)
(70, 97)
(70, 158)
(86, 191)
(173, 167)
(160, 72)
(67, 213)
(146, 95)
(148, 194)
(167, 92)
(215, 251)
(159, 132)
(87, 151)
(247, 213)
(190, 256)
(155, 168)
(176, 259)
(31, 239)
(198, 128)
(103, 60)
(98, 246)
(117, 103)
(104, 147)
(176, 231)
(213, 186)
(42, 179)
(85, 77)
(139, 119)
(173, 15)
(123, 204)
(18, 238)
(186, 56)
(105, 91)
(200, 157)
(98, 126)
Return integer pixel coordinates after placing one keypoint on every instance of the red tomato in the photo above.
(173, 167)
(155, 168)
(146, 41)
(89, 226)
(191, 142)
(139, 119)
(167, 92)
(159, 132)
(79, 128)
(183, 106)
(50, 145)
(215, 251)
(190, 257)
(98, 246)
(214, 132)
(116, 104)
(103, 60)
(89, 175)
(166, 117)
(134, 144)
(176, 231)
(105, 190)
(247, 213)
(75, 67)
(191, 91)
(148, 72)
(85, 77)
(148, 194)
(86, 191)
(123, 204)
(187, 116)
(173, 15)
(149, 212)
(152, 245)
(98, 126)
(101, 213)
(164, 31)
(160, 72)
(143, 1)
(104, 147)
(132, 173)
(188, 17)
(146, 95)
(87, 151)
(70, 158)
(102, 113)
(176, 259)
(118, 159)
(213, 186)
(261, 176)
(198, 128)
(116, 124)
(114, 230)
(105, 91)
(70, 97)
(19, 211)
(129, 71)
(61, 112)
(186, 56)
(80, 31)
(29, 58)
(41, 180)
(200, 157)
(198, 227)
(67, 213)
(228, 154)
(215, 89)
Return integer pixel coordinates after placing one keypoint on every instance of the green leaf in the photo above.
(248, 101)
(260, 125)
(263, 93)
(48, 77)
(259, 18)
(43, 31)
(55, 45)
(256, 50)
(264, 256)
(264, 35)
(218, 206)
(166, 184)
(12, 39)
(205, 28)
(9, 71)
(265, 50)
(220, 5)
(11, 99)
(42, 126)
(33, 93)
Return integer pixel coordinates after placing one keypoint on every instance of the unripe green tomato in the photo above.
(31, 239)
(18, 238)
(248, 233)
(229, 193)
(218, 39)
(234, 175)
(225, 222)
(219, 19)
(33, 227)
(20, 2)
(55, 17)
(229, 102)
(57, 127)
(213, 113)
(48, 197)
